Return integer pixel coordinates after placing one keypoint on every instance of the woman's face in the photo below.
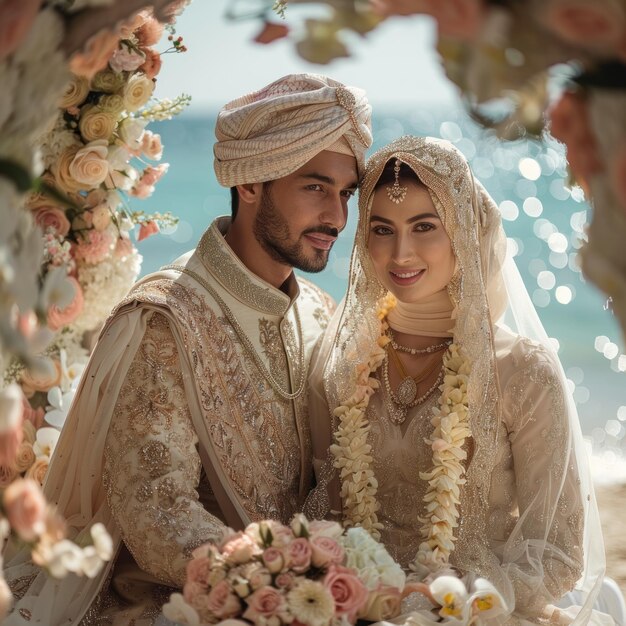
(410, 249)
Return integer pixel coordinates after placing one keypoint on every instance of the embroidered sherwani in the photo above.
(203, 427)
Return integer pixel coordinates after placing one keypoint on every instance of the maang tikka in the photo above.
(396, 192)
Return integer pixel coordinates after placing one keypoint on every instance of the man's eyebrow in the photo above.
(329, 180)
(415, 218)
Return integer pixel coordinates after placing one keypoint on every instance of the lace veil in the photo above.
(487, 291)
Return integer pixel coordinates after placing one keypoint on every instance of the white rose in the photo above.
(90, 165)
(138, 91)
(118, 157)
(131, 132)
(75, 92)
(95, 123)
(10, 408)
(102, 541)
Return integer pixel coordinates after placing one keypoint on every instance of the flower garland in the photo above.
(353, 457)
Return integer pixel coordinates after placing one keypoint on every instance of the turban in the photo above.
(273, 132)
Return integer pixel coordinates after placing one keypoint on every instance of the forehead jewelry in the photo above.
(396, 192)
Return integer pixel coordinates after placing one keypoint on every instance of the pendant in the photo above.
(406, 391)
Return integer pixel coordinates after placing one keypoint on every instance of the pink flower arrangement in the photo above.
(95, 247)
(57, 318)
(147, 229)
(271, 574)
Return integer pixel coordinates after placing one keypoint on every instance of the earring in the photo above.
(396, 192)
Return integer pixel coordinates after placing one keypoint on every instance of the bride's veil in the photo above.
(487, 291)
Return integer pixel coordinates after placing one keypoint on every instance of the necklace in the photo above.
(398, 413)
(247, 344)
(415, 351)
(407, 389)
(354, 457)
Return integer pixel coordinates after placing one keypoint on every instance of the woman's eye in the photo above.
(423, 227)
(381, 230)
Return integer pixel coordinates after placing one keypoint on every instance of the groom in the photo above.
(192, 412)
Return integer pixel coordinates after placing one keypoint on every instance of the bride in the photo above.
(440, 415)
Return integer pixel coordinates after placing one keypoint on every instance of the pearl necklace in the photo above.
(414, 351)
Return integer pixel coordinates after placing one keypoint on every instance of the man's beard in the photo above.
(271, 230)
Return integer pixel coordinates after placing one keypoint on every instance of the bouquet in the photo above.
(310, 573)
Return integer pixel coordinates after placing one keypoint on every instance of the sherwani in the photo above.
(202, 428)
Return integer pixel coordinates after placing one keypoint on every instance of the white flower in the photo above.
(118, 158)
(10, 408)
(46, 442)
(59, 404)
(373, 563)
(486, 601)
(102, 541)
(131, 132)
(104, 285)
(138, 91)
(57, 289)
(177, 610)
(91, 563)
(63, 557)
(310, 603)
(90, 166)
(451, 594)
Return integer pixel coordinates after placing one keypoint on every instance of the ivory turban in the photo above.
(273, 132)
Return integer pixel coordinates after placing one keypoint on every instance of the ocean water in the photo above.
(542, 218)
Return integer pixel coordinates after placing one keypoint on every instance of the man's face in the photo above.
(300, 216)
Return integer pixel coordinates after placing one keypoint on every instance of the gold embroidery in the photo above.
(155, 457)
(272, 346)
(234, 277)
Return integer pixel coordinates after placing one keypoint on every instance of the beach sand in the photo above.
(612, 505)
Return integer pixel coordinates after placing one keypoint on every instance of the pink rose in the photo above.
(323, 528)
(285, 580)
(238, 548)
(89, 166)
(147, 229)
(274, 560)
(123, 247)
(94, 247)
(198, 570)
(54, 218)
(382, 604)
(58, 318)
(40, 380)
(96, 54)
(299, 555)
(598, 25)
(101, 217)
(152, 64)
(191, 590)
(149, 33)
(325, 551)
(569, 123)
(133, 23)
(259, 577)
(151, 145)
(8, 473)
(222, 602)
(25, 508)
(152, 175)
(264, 603)
(349, 593)
(125, 59)
(16, 18)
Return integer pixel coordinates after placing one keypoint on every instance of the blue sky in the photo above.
(394, 64)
